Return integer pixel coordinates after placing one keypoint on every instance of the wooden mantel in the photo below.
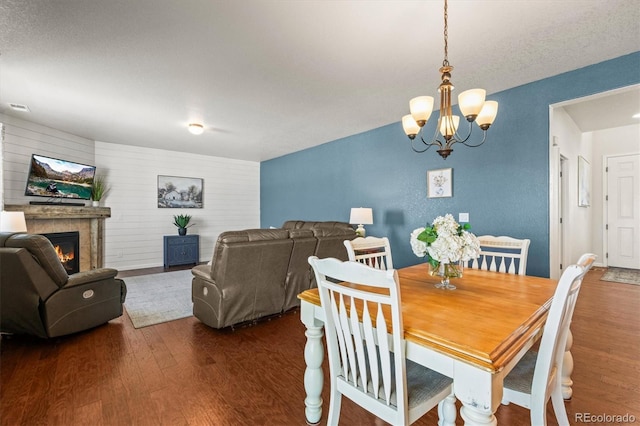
(61, 218)
(59, 212)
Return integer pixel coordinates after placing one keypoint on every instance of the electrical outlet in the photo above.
(463, 217)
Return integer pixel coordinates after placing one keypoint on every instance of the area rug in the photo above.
(622, 275)
(157, 298)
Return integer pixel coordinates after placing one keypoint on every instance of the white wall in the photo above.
(1, 166)
(133, 234)
(577, 220)
(609, 142)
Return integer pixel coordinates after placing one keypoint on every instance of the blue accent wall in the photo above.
(503, 185)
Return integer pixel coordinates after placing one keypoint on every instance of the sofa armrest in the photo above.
(90, 276)
(203, 272)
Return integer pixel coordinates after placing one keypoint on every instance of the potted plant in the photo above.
(98, 189)
(182, 222)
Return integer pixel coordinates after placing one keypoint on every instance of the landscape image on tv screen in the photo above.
(51, 177)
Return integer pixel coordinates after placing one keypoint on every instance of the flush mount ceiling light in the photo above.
(471, 103)
(19, 107)
(196, 128)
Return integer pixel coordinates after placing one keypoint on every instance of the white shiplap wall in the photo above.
(23, 138)
(133, 234)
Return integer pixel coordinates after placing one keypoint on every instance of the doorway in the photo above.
(594, 127)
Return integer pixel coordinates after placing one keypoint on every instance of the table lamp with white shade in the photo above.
(361, 216)
(12, 222)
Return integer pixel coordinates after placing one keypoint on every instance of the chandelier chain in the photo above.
(446, 36)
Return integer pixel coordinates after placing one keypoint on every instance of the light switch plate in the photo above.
(463, 217)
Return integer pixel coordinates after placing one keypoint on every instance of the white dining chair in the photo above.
(567, 363)
(586, 260)
(366, 347)
(372, 251)
(502, 254)
(536, 377)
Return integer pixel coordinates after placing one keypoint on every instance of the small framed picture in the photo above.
(440, 183)
(584, 182)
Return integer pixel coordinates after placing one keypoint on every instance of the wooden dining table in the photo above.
(474, 334)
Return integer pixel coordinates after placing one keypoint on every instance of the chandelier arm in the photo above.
(435, 140)
(419, 151)
(457, 139)
(428, 145)
(484, 138)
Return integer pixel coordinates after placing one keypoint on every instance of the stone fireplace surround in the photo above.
(89, 221)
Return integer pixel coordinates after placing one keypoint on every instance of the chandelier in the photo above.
(471, 103)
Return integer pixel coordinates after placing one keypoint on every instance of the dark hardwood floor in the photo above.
(185, 373)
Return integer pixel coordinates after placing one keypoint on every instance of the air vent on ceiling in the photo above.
(19, 107)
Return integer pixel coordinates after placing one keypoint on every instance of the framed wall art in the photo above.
(176, 192)
(584, 182)
(440, 183)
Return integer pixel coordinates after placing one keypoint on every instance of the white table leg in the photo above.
(313, 356)
(567, 369)
(473, 416)
(480, 393)
(447, 411)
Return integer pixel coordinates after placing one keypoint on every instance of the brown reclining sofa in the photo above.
(256, 273)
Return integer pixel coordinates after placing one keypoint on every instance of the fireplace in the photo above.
(67, 245)
(89, 221)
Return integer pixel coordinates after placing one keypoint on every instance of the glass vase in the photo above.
(446, 271)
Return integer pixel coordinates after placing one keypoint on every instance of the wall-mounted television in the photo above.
(55, 178)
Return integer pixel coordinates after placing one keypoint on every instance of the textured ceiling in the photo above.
(268, 77)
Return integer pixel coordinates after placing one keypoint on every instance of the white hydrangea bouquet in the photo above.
(445, 243)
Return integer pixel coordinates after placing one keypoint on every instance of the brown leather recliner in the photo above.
(38, 297)
(245, 280)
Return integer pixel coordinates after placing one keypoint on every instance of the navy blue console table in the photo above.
(181, 250)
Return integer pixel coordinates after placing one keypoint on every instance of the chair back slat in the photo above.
(343, 327)
(359, 347)
(372, 354)
(484, 265)
(371, 251)
(344, 359)
(493, 264)
(385, 354)
(502, 254)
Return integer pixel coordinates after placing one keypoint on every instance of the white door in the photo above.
(623, 211)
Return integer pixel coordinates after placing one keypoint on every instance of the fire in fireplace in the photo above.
(67, 246)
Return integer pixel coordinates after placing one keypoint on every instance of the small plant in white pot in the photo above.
(98, 189)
